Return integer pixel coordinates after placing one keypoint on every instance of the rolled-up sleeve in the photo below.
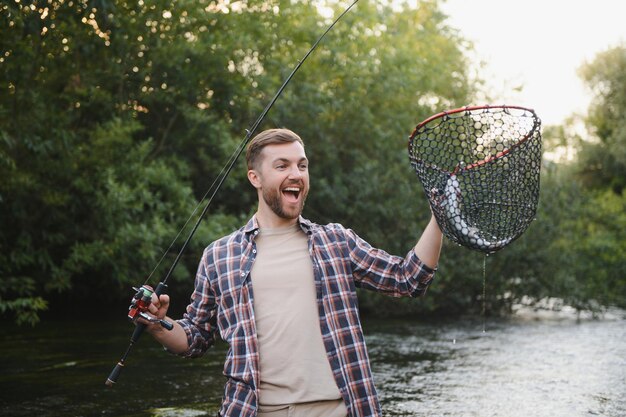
(377, 270)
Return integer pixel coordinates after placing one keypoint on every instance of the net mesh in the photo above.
(479, 167)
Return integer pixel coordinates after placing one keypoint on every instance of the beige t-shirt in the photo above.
(293, 363)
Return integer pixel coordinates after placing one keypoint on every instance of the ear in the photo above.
(254, 178)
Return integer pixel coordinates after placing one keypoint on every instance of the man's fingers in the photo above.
(164, 301)
(159, 304)
(153, 308)
(154, 299)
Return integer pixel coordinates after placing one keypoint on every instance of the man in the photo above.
(281, 292)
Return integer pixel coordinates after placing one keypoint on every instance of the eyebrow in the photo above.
(304, 159)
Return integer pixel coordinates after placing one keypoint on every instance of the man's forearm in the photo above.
(428, 247)
(174, 340)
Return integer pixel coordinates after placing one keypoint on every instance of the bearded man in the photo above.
(281, 291)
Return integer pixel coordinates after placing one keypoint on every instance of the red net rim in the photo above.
(486, 107)
(469, 109)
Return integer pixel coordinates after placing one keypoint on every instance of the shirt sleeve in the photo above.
(200, 318)
(377, 270)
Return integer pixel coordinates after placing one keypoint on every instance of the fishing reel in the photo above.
(139, 305)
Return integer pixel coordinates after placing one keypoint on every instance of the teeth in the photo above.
(293, 189)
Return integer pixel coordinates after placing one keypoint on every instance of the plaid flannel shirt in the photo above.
(223, 301)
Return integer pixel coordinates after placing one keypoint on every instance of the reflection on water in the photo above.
(515, 368)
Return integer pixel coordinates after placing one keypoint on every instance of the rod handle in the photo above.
(115, 373)
(160, 289)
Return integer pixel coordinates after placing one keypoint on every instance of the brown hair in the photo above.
(268, 137)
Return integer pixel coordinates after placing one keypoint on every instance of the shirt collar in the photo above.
(253, 225)
(305, 225)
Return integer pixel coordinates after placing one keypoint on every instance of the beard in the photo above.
(273, 198)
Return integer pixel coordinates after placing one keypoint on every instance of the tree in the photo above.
(115, 117)
(94, 186)
(603, 161)
(579, 241)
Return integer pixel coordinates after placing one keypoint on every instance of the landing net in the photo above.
(479, 167)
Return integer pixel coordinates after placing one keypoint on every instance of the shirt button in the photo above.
(243, 274)
(253, 250)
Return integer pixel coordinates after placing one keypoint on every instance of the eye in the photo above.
(304, 167)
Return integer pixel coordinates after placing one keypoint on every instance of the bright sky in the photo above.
(539, 45)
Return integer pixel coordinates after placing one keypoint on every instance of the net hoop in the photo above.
(479, 167)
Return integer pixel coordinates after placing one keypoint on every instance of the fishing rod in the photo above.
(143, 296)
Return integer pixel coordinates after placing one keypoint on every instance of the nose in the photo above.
(295, 172)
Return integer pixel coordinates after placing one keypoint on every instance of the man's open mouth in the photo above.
(292, 193)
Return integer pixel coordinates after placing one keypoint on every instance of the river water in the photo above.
(500, 368)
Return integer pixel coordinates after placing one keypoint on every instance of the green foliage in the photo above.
(595, 232)
(586, 256)
(93, 157)
(602, 163)
(579, 232)
(116, 117)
